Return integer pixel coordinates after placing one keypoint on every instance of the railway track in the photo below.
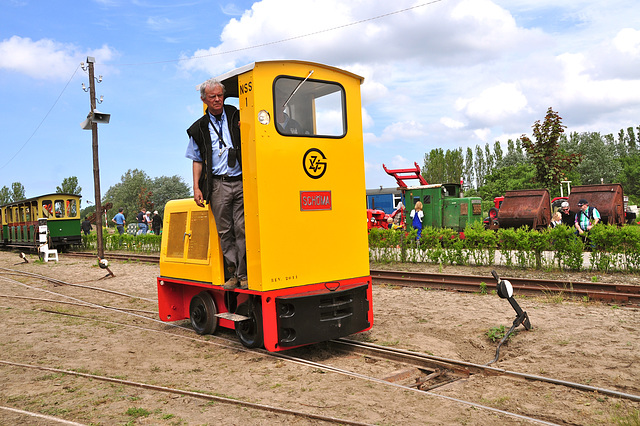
(118, 256)
(419, 372)
(616, 293)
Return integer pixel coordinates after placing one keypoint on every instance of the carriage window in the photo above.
(59, 208)
(47, 209)
(309, 107)
(27, 211)
(72, 208)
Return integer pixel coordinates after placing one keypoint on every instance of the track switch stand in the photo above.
(505, 291)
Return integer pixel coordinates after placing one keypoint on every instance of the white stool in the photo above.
(48, 252)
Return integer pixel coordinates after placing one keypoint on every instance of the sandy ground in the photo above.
(579, 341)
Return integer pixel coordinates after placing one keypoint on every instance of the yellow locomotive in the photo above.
(304, 192)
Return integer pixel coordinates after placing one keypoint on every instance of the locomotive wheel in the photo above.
(250, 331)
(202, 311)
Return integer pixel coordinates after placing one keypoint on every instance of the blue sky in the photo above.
(443, 74)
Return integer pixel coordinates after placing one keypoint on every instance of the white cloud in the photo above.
(628, 41)
(404, 130)
(451, 123)
(367, 121)
(494, 104)
(45, 59)
(338, 32)
(482, 134)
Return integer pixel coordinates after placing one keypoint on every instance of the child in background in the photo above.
(416, 218)
(556, 219)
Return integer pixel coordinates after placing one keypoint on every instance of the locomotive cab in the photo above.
(303, 182)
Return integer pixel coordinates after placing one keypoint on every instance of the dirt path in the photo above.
(579, 341)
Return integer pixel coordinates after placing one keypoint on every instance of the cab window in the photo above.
(59, 208)
(47, 208)
(72, 209)
(309, 107)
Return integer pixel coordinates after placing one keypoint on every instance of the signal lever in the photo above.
(505, 291)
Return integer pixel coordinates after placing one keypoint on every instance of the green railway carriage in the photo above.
(20, 221)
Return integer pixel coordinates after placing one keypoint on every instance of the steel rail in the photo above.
(118, 256)
(157, 388)
(233, 345)
(398, 354)
(621, 293)
(462, 366)
(41, 416)
(59, 282)
(304, 362)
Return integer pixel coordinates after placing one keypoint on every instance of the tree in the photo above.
(488, 159)
(454, 166)
(165, 188)
(17, 192)
(508, 178)
(497, 154)
(443, 167)
(479, 167)
(514, 154)
(137, 190)
(551, 164)
(434, 166)
(126, 193)
(598, 157)
(468, 168)
(87, 211)
(69, 186)
(629, 175)
(5, 196)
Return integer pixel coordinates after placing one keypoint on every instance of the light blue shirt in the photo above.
(119, 218)
(219, 155)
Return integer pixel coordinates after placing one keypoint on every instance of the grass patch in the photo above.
(497, 333)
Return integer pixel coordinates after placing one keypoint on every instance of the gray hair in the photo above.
(212, 82)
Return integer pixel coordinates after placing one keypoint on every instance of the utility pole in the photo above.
(96, 163)
(93, 119)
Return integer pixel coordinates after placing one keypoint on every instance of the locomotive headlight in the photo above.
(264, 117)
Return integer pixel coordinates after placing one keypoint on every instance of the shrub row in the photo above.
(147, 243)
(611, 248)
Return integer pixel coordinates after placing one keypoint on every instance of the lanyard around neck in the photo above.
(222, 145)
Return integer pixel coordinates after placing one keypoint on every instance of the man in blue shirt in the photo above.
(214, 147)
(118, 219)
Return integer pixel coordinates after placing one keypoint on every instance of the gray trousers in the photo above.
(227, 205)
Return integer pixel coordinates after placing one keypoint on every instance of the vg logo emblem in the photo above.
(314, 163)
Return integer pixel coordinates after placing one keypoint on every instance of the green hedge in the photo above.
(611, 248)
(148, 243)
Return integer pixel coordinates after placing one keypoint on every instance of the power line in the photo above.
(339, 27)
(43, 119)
(396, 12)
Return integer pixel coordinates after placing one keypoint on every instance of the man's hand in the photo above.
(197, 194)
(197, 197)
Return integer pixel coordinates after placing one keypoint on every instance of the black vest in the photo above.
(199, 131)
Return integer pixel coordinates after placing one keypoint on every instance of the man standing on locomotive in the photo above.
(214, 147)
